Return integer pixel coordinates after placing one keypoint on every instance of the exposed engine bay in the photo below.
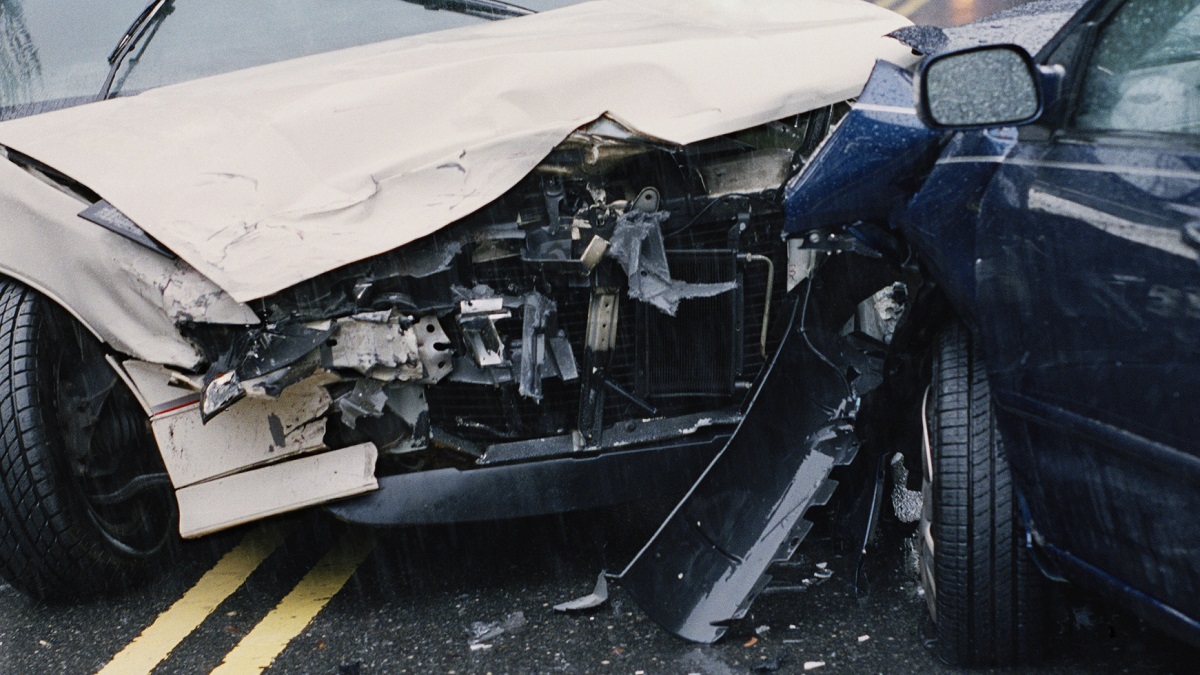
(622, 294)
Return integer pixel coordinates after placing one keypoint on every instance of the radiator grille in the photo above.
(688, 364)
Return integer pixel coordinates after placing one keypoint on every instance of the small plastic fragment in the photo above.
(813, 665)
(751, 642)
(367, 399)
(219, 393)
(769, 666)
(482, 631)
(864, 638)
(590, 601)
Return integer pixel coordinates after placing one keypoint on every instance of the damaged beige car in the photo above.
(493, 269)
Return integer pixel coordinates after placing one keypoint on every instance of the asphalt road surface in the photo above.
(308, 595)
(304, 594)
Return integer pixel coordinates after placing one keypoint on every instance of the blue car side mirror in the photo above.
(981, 87)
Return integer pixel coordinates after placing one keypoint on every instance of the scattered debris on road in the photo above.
(597, 597)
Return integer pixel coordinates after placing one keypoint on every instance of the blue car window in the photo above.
(1144, 75)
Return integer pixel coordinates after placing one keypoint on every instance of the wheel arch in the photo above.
(63, 418)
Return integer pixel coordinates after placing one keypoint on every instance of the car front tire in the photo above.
(85, 505)
(987, 598)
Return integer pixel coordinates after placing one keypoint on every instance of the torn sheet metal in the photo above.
(241, 498)
(384, 346)
(288, 170)
(253, 431)
(477, 321)
(219, 393)
(264, 365)
(542, 352)
(637, 246)
(433, 347)
(536, 314)
(376, 345)
(408, 402)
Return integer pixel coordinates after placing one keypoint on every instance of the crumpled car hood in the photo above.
(266, 177)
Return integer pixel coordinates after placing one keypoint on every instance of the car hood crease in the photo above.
(269, 176)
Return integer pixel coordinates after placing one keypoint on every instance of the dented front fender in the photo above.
(870, 165)
(130, 297)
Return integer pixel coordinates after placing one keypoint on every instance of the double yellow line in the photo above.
(277, 629)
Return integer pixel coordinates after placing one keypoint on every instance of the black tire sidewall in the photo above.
(55, 549)
(990, 600)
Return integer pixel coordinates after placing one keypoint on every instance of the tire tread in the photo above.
(48, 547)
(990, 598)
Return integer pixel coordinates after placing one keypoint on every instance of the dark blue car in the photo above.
(1048, 209)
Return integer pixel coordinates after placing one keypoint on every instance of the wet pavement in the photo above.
(947, 12)
(479, 598)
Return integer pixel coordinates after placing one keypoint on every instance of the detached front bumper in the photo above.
(534, 488)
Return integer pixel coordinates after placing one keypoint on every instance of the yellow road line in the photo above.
(172, 626)
(910, 7)
(265, 641)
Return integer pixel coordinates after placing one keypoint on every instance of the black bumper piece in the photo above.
(708, 561)
(533, 488)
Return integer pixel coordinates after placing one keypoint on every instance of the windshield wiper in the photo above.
(154, 13)
(484, 9)
(128, 41)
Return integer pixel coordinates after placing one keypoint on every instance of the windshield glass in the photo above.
(54, 54)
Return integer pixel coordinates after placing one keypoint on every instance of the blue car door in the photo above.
(1088, 301)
